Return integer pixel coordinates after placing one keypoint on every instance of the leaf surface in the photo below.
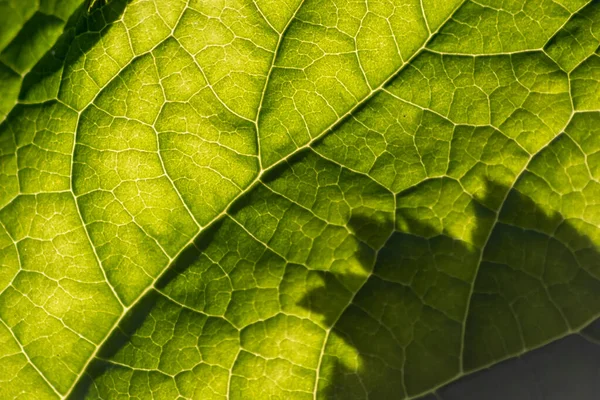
(293, 199)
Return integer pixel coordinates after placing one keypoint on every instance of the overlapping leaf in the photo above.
(293, 199)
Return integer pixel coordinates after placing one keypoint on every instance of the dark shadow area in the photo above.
(90, 17)
(404, 323)
(369, 325)
(39, 24)
(19, 54)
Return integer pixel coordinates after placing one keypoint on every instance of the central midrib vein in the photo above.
(257, 180)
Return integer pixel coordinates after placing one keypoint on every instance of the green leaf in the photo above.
(292, 199)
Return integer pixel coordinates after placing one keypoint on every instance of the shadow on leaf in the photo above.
(402, 334)
(90, 17)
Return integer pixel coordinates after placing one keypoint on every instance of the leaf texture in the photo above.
(292, 199)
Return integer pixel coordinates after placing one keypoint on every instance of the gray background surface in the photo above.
(568, 369)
